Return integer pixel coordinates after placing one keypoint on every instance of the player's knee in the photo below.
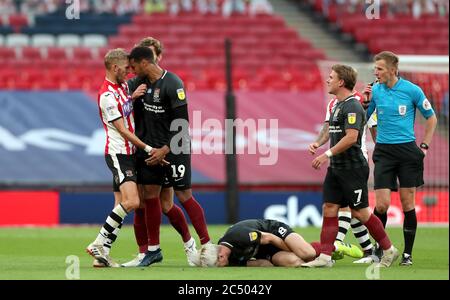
(382, 207)
(293, 261)
(184, 195)
(166, 205)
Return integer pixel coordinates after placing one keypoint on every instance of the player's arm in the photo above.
(108, 105)
(179, 119)
(321, 139)
(427, 112)
(259, 263)
(354, 120)
(128, 135)
(269, 238)
(372, 124)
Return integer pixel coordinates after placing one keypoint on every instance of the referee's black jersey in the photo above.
(154, 111)
(243, 238)
(347, 114)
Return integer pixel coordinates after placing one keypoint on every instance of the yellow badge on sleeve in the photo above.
(351, 118)
(181, 94)
(253, 236)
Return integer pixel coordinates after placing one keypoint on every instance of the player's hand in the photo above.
(319, 161)
(367, 93)
(313, 148)
(424, 151)
(157, 156)
(164, 163)
(139, 92)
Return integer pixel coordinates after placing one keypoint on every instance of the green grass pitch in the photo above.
(40, 253)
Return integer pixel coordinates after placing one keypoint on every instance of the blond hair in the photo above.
(209, 254)
(113, 56)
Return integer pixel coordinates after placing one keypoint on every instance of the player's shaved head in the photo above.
(115, 56)
(142, 53)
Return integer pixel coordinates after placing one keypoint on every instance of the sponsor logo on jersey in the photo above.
(351, 118)
(111, 111)
(127, 108)
(426, 104)
(181, 94)
(253, 236)
(156, 97)
(402, 110)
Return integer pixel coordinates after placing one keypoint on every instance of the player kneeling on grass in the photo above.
(264, 243)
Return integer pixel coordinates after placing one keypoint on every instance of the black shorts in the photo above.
(176, 175)
(402, 161)
(347, 187)
(122, 167)
(279, 229)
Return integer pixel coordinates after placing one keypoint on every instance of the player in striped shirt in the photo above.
(116, 113)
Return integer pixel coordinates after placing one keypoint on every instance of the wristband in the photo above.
(148, 148)
(328, 153)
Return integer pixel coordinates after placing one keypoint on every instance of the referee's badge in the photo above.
(351, 118)
(402, 110)
(181, 94)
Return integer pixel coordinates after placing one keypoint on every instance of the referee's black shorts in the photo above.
(347, 187)
(402, 161)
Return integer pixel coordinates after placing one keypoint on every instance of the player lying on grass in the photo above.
(264, 243)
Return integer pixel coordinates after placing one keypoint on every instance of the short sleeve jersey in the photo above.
(243, 238)
(396, 111)
(347, 114)
(114, 103)
(155, 109)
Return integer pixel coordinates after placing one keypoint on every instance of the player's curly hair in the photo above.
(151, 41)
(209, 255)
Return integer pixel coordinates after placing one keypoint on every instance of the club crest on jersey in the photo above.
(253, 236)
(181, 94)
(149, 91)
(129, 173)
(402, 110)
(156, 95)
(426, 104)
(336, 114)
(351, 118)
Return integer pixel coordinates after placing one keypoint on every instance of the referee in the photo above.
(396, 153)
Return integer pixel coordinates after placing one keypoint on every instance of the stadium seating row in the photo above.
(42, 40)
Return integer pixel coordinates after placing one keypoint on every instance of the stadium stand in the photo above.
(268, 54)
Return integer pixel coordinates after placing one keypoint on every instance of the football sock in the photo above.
(114, 220)
(140, 229)
(409, 230)
(377, 231)
(178, 220)
(344, 224)
(153, 218)
(197, 216)
(328, 234)
(381, 216)
(361, 234)
(111, 239)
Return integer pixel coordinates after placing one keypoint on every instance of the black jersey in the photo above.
(347, 114)
(154, 111)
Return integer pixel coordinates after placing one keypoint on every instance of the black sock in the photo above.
(382, 217)
(409, 230)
